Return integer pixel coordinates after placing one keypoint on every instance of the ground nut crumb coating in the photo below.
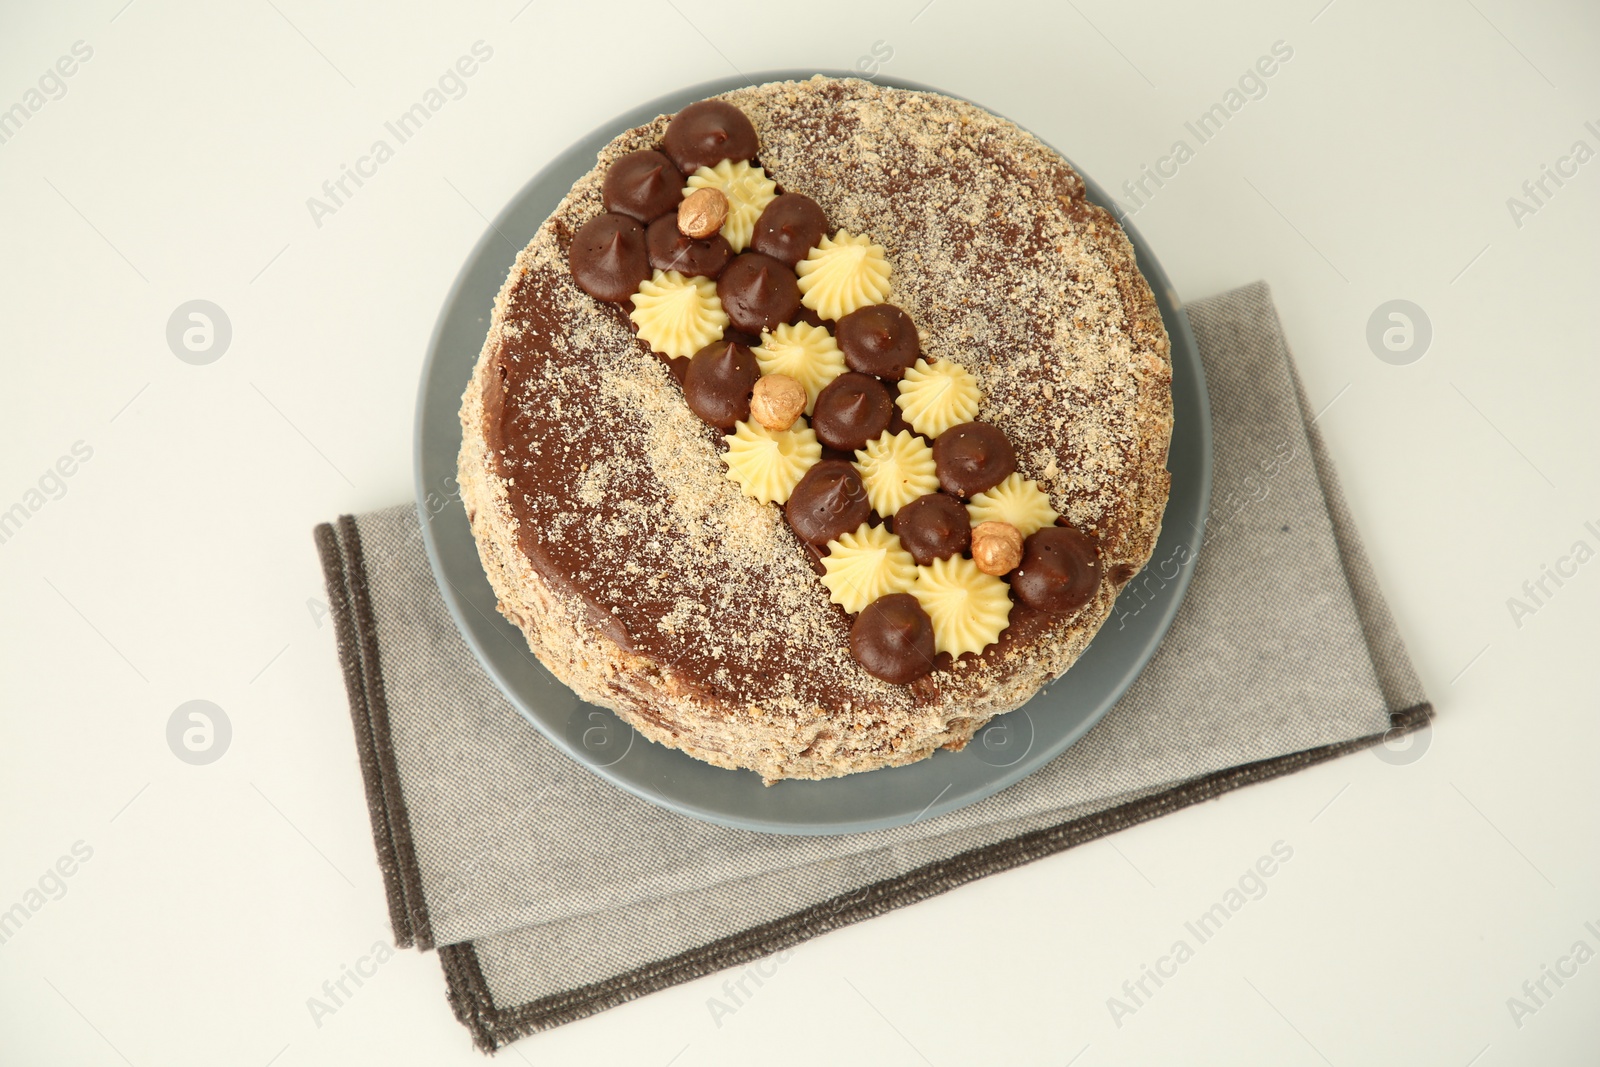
(648, 583)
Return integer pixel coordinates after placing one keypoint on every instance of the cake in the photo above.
(657, 463)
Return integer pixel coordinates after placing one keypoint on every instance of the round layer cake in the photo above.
(650, 581)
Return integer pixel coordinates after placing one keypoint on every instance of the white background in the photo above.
(179, 565)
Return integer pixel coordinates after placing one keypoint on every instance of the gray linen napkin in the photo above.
(554, 895)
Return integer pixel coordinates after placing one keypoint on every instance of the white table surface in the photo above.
(175, 563)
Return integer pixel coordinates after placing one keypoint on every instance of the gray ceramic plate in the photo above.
(1008, 749)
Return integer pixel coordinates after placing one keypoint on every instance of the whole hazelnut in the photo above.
(702, 213)
(996, 547)
(777, 401)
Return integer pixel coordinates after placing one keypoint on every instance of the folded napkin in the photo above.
(551, 894)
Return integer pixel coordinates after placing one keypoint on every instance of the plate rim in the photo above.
(1179, 331)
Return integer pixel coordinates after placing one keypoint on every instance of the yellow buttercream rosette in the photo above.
(768, 464)
(1016, 500)
(843, 273)
(748, 190)
(969, 609)
(678, 316)
(936, 396)
(864, 565)
(804, 352)
(896, 469)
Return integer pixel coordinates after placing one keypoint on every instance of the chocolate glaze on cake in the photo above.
(973, 457)
(705, 133)
(789, 227)
(609, 258)
(758, 292)
(893, 639)
(647, 582)
(718, 382)
(935, 526)
(1059, 572)
(670, 248)
(643, 185)
(878, 339)
(829, 502)
(852, 410)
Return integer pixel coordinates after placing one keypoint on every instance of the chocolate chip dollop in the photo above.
(789, 227)
(878, 339)
(1060, 570)
(718, 383)
(670, 249)
(643, 185)
(933, 527)
(892, 639)
(851, 410)
(608, 258)
(972, 457)
(758, 292)
(829, 501)
(706, 133)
